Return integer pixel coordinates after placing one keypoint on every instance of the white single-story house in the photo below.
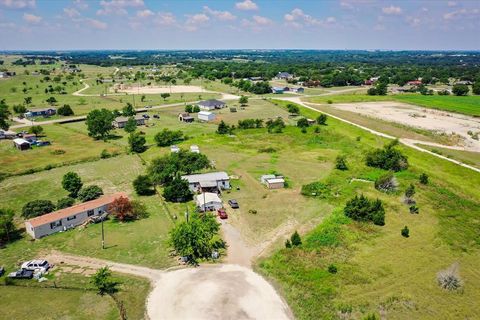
(208, 181)
(208, 201)
(68, 218)
(120, 122)
(174, 149)
(211, 104)
(206, 116)
(21, 144)
(40, 112)
(284, 76)
(272, 181)
(194, 148)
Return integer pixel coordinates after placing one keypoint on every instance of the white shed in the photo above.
(206, 116)
(194, 148)
(174, 149)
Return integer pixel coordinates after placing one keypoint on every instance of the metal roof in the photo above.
(211, 176)
(211, 103)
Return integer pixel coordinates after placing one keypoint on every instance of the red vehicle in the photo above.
(222, 214)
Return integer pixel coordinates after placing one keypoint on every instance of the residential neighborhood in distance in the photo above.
(239, 159)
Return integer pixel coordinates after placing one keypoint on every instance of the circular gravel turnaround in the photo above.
(215, 292)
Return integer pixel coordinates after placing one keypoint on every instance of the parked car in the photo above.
(2, 271)
(222, 214)
(145, 116)
(156, 116)
(33, 265)
(21, 274)
(233, 203)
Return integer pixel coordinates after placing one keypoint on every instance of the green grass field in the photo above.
(467, 157)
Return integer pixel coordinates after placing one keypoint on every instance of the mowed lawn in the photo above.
(67, 146)
(379, 271)
(469, 105)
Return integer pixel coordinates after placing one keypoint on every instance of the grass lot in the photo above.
(469, 105)
(80, 301)
(380, 271)
(77, 146)
(467, 157)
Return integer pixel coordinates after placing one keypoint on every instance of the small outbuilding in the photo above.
(194, 148)
(208, 201)
(206, 116)
(120, 122)
(174, 149)
(21, 144)
(185, 117)
(211, 104)
(277, 90)
(276, 183)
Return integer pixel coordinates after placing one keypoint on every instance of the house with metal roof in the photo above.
(211, 104)
(212, 181)
(40, 112)
(71, 217)
(120, 122)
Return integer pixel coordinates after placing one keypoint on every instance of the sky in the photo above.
(240, 24)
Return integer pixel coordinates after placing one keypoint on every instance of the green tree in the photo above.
(405, 232)
(99, 123)
(72, 182)
(4, 115)
(288, 244)
(341, 163)
(243, 100)
(293, 109)
(322, 119)
(19, 109)
(143, 185)
(189, 108)
(90, 193)
(410, 191)
(177, 190)
(51, 101)
(143, 98)
(165, 96)
(104, 282)
(65, 110)
(168, 137)
(65, 203)
(27, 100)
(7, 226)
(196, 109)
(136, 142)
(302, 123)
(37, 208)
(197, 238)
(36, 130)
(128, 110)
(476, 87)
(223, 128)
(363, 209)
(423, 178)
(388, 158)
(131, 125)
(295, 239)
(460, 89)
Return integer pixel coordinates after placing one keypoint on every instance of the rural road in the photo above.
(408, 142)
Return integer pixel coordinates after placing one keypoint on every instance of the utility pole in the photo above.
(186, 214)
(204, 204)
(103, 236)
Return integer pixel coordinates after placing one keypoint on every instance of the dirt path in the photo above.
(408, 142)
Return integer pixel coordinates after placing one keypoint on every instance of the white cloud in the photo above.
(7, 25)
(18, 4)
(220, 15)
(462, 13)
(257, 23)
(165, 19)
(392, 10)
(195, 21)
(97, 24)
(80, 4)
(145, 13)
(31, 18)
(118, 7)
(71, 12)
(452, 3)
(297, 18)
(414, 21)
(246, 5)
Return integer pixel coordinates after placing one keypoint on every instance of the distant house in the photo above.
(213, 181)
(194, 148)
(272, 181)
(120, 122)
(40, 112)
(21, 144)
(286, 88)
(284, 76)
(185, 117)
(7, 74)
(255, 78)
(299, 90)
(208, 201)
(311, 122)
(7, 134)
(277, 90)
(206, 116)
(31, 138)
(414, 82)
(68, 218)
(211, 104)
(465, 82)
(174, 149)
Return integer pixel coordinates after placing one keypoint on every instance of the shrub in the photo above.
(224, 128)
(105, 154)
(57, 152)
(167, 137)
(293, 109)
(317, 129)
(363, 209)
(302, 123)
(267, 150)
(275, 126)
(387, 158)
(332, 269)
(322, 119)
(423, 178)
(460, 89)
(143, 185)
(341, 163)
(288, 244)
(122, 209)
(139, 209)
(37, 208)
(65, 203)
(315, 189)
(295, 239)
(65, 110)
(386, 182)
(414, 209)
(304, 130)
(449, 279)
(90, 193)
(405, 232)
